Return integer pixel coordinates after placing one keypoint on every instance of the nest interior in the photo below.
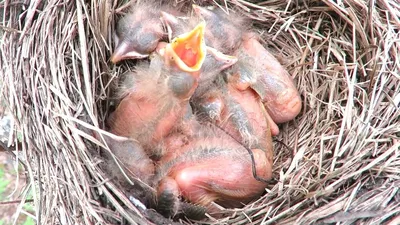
(342, 164)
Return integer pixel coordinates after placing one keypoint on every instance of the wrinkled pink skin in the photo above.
(203, 164)
(281, 99)
(239, 112)
(273, 83)
(135, 114)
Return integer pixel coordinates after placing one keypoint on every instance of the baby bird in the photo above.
(155, 96)
(215, 61)
(240, 113)
(187, 51)
(203, 164)
(224, 32)
(269, 79)
(139, 31)
(154, 100)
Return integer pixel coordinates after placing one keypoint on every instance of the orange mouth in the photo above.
(188, 50)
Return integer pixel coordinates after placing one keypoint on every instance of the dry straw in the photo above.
(343, 165)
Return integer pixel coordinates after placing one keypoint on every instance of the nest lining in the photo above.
(343, 164)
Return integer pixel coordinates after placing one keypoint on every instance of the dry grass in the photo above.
(344, 56)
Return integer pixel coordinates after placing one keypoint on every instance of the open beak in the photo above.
(188, 50)
(125, 51)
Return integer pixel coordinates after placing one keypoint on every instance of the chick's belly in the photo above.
(132, 115)
(144, 118)
(217, 178)
(168, 121)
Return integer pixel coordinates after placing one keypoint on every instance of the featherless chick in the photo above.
(138, 33)
(214, 62)
(204, 165)
(268, 77)
(156, 95)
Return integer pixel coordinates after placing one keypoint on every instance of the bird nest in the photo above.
(338, 161)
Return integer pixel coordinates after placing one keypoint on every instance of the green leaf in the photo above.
(29, 221)
(3, 186)
(29, 207)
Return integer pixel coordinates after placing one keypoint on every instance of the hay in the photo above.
(344, 162)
